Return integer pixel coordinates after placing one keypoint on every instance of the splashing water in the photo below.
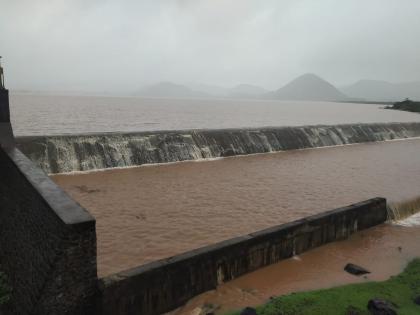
(404, 211)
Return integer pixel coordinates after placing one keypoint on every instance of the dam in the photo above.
(123, 214)
(69, 153)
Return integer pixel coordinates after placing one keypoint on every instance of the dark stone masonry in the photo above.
(47, 241)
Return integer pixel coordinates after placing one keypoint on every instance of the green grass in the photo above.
(399, 290)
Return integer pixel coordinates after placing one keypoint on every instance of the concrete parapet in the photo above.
(163, 285)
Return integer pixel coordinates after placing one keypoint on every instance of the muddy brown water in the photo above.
(384, 250)
(152, 212)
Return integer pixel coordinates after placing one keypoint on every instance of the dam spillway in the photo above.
(85, 152)
(153, 212)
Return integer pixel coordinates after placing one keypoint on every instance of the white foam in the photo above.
(413, 220)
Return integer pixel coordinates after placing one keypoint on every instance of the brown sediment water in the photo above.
(151, 212)
(384, 250)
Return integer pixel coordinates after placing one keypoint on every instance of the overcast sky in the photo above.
(122, 45)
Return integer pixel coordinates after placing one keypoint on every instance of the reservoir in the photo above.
(51, 115)
(156, 211)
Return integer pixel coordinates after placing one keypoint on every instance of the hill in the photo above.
(308, 87)
(374, 90)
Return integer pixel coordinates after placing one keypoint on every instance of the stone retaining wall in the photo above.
(47, 242)
(163, 285)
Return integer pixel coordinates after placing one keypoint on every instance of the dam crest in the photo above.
(84, 152)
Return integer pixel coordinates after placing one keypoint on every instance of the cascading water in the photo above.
(68, 153)
(400, 210)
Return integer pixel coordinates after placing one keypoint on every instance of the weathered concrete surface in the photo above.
(67, 153)
(47, 242)
(166, 284)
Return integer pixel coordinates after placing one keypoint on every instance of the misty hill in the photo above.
(246, 91)
(308, 87)
(169, 89)
(374, 90)
(238, 91)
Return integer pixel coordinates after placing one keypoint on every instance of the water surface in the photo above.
(384, 250)
(151, 212)
(48, 115)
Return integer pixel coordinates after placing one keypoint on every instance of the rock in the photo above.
(355, 269)
(248, 311)
(417, 300)
(380, 307)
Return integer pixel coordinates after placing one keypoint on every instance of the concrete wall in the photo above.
(166, 284)
(47, 242)
(6, 132)
(4, 106)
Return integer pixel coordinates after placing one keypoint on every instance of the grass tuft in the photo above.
(399, 291)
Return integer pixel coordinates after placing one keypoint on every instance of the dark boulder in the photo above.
(355, 269)
(417, 300)
(248, 311)
(380, 307)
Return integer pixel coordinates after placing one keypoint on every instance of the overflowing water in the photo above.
(397, 211)
(151, 212)
(384, 250)
(69, 153)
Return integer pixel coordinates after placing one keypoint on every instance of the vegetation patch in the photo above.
(400, 291)
(407, 105)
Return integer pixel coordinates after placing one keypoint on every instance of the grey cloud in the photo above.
(122, 45)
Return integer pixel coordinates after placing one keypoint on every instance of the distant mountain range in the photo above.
(308, 87)
(383, 91)
(305, 87)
